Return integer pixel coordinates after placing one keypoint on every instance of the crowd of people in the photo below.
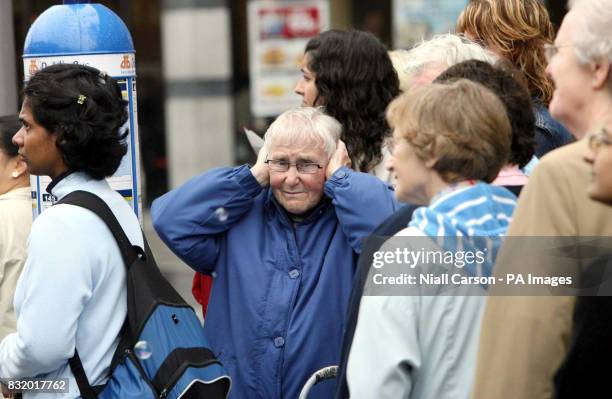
(466, 143)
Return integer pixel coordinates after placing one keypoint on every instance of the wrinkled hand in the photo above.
(339, 159)
(260, 170)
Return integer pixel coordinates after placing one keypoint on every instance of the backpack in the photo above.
(162, 352)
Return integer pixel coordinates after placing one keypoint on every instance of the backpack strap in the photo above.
(129, 253)
(76, 366)
(95, 204)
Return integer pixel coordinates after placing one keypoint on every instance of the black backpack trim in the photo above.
(174, 366)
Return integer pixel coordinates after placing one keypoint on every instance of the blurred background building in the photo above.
(193, 68)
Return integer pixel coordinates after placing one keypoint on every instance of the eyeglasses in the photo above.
(599, 139)
(307, 168)
(550, 50)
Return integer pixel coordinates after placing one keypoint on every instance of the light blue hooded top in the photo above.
(422, 343)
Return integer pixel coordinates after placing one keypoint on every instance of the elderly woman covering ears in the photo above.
(282, 239)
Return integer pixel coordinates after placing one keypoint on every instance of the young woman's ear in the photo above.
(19, 168)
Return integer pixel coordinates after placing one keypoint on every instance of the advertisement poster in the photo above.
(278, 33)
(415, 20)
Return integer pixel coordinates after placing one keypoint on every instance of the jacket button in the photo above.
(294, 273)
(279, 342)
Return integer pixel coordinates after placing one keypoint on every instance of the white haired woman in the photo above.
(282, 239)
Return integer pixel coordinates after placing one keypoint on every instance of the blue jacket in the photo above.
(549, 133)
(280, 292)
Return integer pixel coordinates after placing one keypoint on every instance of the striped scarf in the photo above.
(468, 219)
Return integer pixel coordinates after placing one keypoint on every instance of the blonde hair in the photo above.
(463, 125)
(518, 29)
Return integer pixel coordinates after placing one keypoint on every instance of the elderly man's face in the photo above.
(298, 192)
(572, 80)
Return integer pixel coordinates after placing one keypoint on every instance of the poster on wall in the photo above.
(415, 20)
(278, 33)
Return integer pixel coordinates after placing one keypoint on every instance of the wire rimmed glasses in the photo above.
(279, 165)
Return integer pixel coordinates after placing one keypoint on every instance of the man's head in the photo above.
(299, 144)
(579, 64)
(431, 57)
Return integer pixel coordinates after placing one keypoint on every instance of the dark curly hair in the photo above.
(9, 125)
(356, 81)
(513, 94)
(87, 128)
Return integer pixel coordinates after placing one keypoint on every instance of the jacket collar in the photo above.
(57, 179)
(65, 184)
(272, 205)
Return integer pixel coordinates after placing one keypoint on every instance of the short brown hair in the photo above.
(518, 29)
(500, 79)
(462, 125)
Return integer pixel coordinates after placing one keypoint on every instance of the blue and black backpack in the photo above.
(162, 351)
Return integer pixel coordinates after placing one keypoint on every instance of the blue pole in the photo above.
(84, 32)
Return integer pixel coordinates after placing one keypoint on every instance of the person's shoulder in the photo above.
(563, 160)
(396, 222)
(15, 217)
(410, 231)
(14, 207)
(63, 219)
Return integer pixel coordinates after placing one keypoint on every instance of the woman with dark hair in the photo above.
(515, 97)
(518, 30)
(351, 75)
(15, 219)
(72, 292)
